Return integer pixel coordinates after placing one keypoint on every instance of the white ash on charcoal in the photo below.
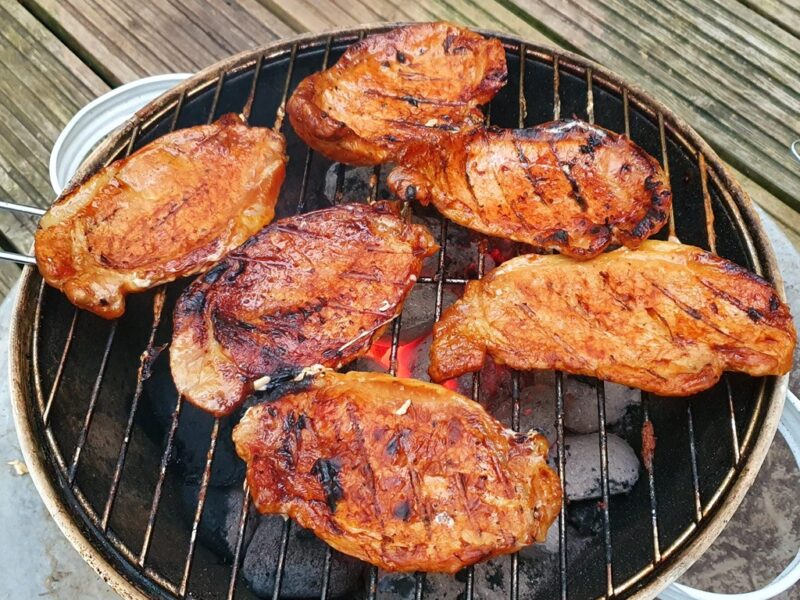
(582, 472)
(396, 586)
(418, 312)
(219, 526)
(357, 184)
(538, 407)
(580, 404)
(549, 546)
(303, 569)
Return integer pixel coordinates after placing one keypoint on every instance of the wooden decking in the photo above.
(730, 68)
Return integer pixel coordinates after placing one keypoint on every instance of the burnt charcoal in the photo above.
(158, 396)
(355, 185)
(580, 404)
(194, 430)
(305, 560)
(191, 443)
(492, 579)
(397, 586)
(629, 427)
(586, 517)
(582, 472)
(219, 525)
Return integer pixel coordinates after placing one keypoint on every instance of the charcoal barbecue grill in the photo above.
(112, 478)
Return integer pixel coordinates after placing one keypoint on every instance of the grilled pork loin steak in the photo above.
(403, 474)
(409, 85)
(172, 208)
(314, 289)
(666, 318)
(567, 186)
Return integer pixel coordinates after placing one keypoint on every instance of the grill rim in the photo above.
(21, 363)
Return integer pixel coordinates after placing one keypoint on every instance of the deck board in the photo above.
(58, 54)
(784, 13)
(126, 41)
(42, 84)
(727, 70)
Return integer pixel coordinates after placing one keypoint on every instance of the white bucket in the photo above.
(99, 118)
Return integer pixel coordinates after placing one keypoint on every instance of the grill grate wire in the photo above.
(440, 278)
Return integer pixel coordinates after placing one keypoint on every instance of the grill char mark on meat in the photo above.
(292, 299)
(459, 488)
(327, 471)
(699, 315)
(586, 200)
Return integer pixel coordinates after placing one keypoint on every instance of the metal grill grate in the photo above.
(576, 86)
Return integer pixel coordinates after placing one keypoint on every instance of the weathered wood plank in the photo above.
(724, 68)
(784, 13)
(42, 84)
(318, 16)
(126, 41)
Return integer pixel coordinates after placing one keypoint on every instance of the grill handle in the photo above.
(790, 429)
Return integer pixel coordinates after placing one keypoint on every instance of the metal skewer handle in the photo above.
(89, 125)
(22, 259)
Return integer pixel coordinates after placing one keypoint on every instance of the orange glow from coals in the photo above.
(381, 351)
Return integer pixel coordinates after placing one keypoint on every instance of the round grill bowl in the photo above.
(118, 461)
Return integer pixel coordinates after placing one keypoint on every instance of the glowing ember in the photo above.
(381, 353)
(406, 356)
